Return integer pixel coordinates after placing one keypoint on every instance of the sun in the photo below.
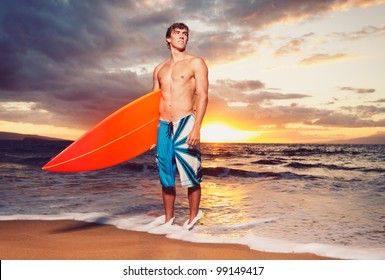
(220, 133)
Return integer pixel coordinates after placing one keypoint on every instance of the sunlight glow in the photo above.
(219, 132)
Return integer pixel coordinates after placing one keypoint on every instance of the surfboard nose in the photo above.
(123, 135)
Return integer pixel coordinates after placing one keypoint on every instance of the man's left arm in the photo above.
(201, 88)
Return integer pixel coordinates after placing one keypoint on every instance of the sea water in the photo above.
(323, 199)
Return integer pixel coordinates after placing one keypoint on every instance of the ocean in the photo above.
(325, 199)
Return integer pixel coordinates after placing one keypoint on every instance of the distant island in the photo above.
(19, 136)
(378, 138)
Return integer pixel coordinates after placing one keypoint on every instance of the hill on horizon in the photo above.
(20, 136)
(378, 138)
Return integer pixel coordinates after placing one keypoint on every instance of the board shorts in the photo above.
(174, 153)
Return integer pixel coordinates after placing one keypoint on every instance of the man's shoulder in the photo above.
(160, 65)
(197, 61)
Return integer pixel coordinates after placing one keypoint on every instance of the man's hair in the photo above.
(174, 26)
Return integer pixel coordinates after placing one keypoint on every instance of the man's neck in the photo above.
(177, 55)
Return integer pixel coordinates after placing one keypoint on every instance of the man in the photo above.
(180, 78)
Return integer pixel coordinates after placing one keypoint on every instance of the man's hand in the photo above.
(193, 139)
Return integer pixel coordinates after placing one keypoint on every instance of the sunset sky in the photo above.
(280, 71)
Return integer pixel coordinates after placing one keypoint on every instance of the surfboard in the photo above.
(123, 135)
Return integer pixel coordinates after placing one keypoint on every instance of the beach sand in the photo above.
(74, 240)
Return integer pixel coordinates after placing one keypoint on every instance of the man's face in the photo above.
(179, 38)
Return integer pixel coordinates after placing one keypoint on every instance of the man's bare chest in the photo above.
(176, 73)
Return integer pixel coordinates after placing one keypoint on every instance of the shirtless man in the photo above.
(180, 78)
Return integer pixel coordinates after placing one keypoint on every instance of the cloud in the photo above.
(245, 85)
(293, 46)
(358, 90)
(345, 120)
(382, 100)
(223, 46)
(365, 32)
(323, 58)
(59, 55)
(81, 103)
(357, 3)
(62, 29)
(260, 14)
(270, 96)
(259, 110)
(364, 112)
(280, 116)
(248, 92)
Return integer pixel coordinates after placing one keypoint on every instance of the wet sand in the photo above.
(74, 240)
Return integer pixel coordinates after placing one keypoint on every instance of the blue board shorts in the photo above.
(173, 152)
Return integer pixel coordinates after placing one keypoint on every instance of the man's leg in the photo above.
(168, 194)
(194, 198)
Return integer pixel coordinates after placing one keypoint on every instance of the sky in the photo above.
(280, 71)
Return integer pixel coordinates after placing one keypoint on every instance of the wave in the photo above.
(143, 167)
(320, 150)
(298, 165)
(33, 161)
(268, 162)
(39, 161)
(231, 172)
(37, 153)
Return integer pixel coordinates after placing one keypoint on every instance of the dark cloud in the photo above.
(263, 13)
(81, 103)
(223, 46)
(358, 90)
(245, 85)
(382, 100)
(268, 96)
(61, 29)
(248, 92)
(365, 112)
(56, 54)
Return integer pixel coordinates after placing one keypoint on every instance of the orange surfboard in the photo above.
(125, 134)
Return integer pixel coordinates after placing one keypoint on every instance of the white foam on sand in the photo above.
(146, 223)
